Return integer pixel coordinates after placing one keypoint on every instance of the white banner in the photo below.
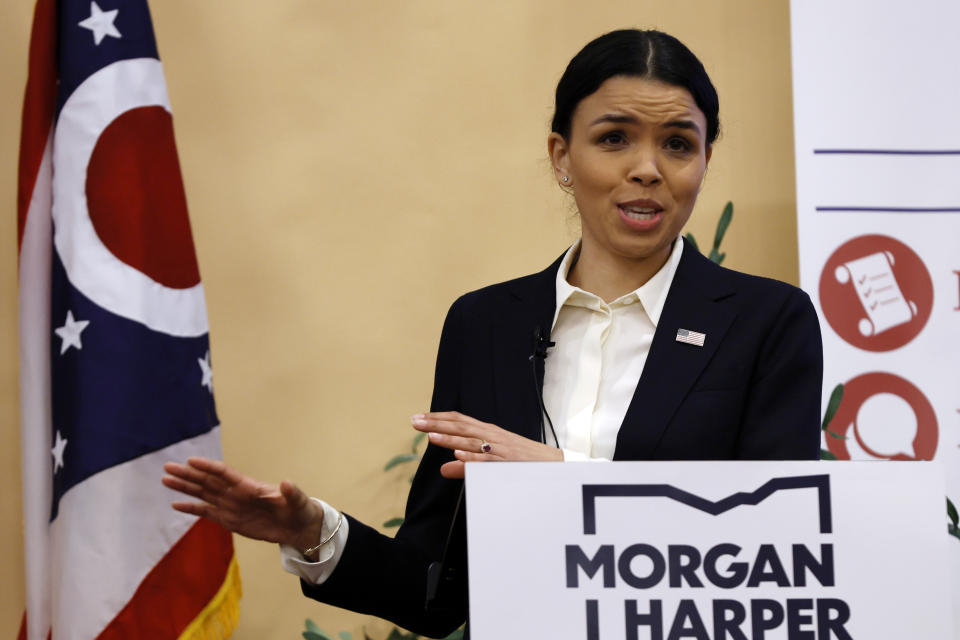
(878, 213)
(707, 550)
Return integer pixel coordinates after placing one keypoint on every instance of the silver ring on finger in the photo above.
(485, 447)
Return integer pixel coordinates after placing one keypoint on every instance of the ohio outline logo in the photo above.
(687, 566)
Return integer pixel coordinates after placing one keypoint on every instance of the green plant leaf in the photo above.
(314, 632)
(393, 522)
(826, 455)
(722, 225)
(417, 439)
(834, 435)
(953, 531)
(400, 459)
(456, 635)
(832, 405)
(952, 513)
(692, 241)
(720, 258)
(345, 635)
(714, 255)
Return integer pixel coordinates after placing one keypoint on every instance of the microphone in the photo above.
(444, 575)
(541, 342)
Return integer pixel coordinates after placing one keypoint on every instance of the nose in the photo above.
(644, 169)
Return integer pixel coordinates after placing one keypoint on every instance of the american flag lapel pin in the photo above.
(691, 337)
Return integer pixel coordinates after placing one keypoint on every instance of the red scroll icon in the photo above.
(876, 293)
(883, 416)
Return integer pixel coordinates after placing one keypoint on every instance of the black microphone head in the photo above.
(541, 342)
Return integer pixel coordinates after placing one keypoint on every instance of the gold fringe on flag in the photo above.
(219, 618)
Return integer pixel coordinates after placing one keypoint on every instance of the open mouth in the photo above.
(641, 214)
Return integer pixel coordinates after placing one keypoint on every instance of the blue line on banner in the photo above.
(893, 209)
(889, 152)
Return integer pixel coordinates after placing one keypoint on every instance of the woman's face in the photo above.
(635, 159)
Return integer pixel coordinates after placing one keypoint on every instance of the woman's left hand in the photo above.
(475, 441)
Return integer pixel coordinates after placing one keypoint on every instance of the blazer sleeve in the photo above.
(387, 577)
(782, 411)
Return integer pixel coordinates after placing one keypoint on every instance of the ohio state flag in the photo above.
(115, 369)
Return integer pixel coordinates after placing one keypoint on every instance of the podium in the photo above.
(708, 550)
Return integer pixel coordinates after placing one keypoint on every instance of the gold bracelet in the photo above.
(327, 539)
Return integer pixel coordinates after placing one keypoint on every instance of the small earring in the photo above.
(566, 179)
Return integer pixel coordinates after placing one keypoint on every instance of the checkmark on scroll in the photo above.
(879, 293)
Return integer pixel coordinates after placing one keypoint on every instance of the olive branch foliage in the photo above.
(725, 218)
(313, 632)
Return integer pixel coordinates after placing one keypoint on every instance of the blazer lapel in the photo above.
(532, 305)
(696, 302)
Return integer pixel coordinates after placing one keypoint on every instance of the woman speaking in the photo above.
(630, 346)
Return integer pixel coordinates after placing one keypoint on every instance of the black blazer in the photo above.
(751, 392)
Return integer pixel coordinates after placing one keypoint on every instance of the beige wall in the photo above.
(352, 167)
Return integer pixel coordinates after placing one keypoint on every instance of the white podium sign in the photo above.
(708, 550)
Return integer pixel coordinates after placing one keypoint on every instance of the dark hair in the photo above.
(632, 52)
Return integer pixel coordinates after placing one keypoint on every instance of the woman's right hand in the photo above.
(254, 509)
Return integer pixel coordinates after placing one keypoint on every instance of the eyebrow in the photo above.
(626, 119)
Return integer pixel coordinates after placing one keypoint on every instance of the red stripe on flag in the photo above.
(23, 629)
(178, 588)
(39, 105)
